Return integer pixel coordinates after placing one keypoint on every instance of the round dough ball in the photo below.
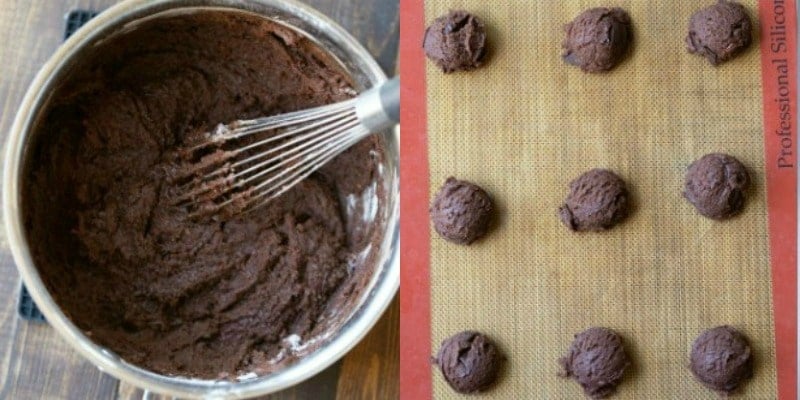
(597, 360)
(597, 39)
(716, 184)
(719, 32)
(597, 200)
(456, 41)
(461, 211)
(469, 361)
(721, 359)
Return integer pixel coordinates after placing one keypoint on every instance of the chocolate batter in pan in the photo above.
(213, 297)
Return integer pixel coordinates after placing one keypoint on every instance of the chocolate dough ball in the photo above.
(470, 361)
(719, 32)
(597, 200)
(456, 41)
(461, 211)
(721, 359)
(597, 360)
(715, 185)
(597, 39)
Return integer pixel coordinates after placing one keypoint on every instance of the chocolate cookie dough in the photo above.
(597, 39)
(721, 359)
(716, 185)
(597, 200)
(470, 362)
(461, 211)
(210, 297)
(597, 360)
(456, 41)
(719, 32)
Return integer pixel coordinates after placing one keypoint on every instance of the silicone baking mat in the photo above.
(525, 124)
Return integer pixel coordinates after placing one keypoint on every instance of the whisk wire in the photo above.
(296, 153)
(251, 126)
(284, 185)
(316, 136)
(235, 170)
(289, 176)
(306, 141)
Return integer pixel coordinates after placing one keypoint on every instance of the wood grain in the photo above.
(370, 372)
(34, 362)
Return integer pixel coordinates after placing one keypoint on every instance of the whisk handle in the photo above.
(390, 98)
(379, 107)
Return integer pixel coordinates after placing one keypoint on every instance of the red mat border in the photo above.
(415, 307)
(781, 186)
(415, 310)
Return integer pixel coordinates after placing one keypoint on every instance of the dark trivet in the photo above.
(27, 308)
(76, 19)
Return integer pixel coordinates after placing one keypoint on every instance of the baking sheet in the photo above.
(524, 126)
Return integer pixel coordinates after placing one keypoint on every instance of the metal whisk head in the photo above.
(247, 163)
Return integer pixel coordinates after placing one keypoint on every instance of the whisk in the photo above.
(247, 163)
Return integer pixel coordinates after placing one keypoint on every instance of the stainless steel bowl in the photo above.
(383, 284)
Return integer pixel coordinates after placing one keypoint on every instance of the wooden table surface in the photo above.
(35, 363)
